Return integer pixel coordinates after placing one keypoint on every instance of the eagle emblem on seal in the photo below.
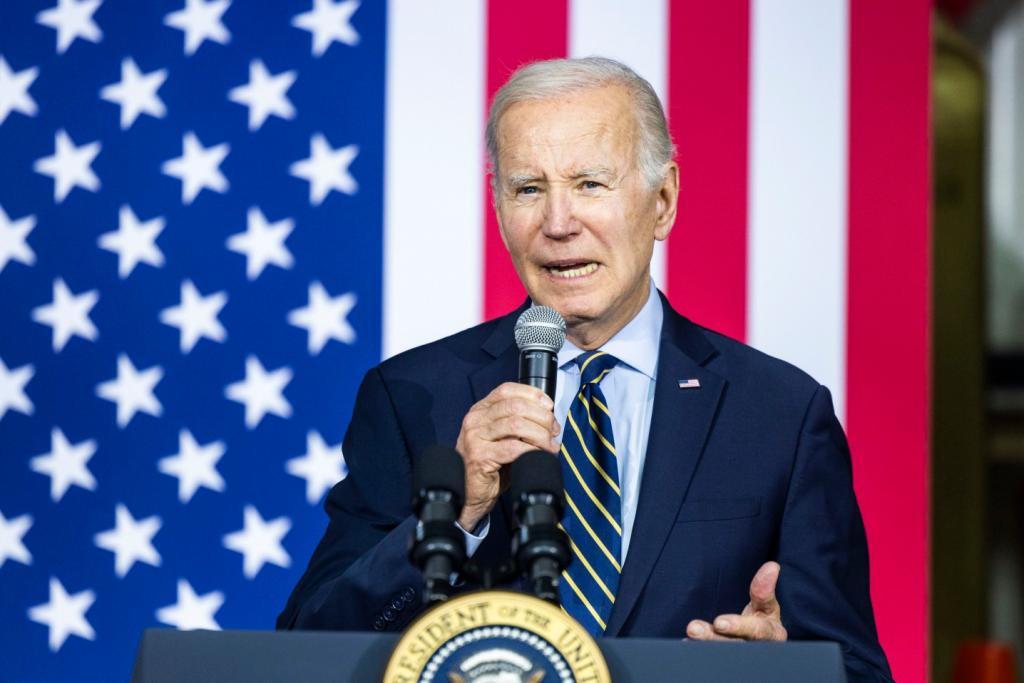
(496, 665)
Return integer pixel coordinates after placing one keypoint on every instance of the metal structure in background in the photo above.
(958, 346)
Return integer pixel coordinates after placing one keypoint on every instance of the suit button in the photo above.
(409, 594)
(389, 614)
(379, 624)
(398, 604)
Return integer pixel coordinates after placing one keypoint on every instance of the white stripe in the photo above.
(798, 186)
(433, 179)
(1005, 173)
(635, 34)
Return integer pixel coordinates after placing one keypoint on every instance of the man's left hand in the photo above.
(761, 618)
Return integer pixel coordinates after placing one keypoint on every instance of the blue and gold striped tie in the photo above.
(593, 515)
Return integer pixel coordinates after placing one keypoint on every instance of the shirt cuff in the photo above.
(476, 537)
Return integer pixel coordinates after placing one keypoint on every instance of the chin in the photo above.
(573, 310)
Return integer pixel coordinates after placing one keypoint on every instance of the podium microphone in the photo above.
(438, 547)
(540, 333)
(540, 548)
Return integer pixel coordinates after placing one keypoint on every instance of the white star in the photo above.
(134, 242)
(196, 316)
(12, 531)
(259, 542)
(72, 19)
(325, 317)
(68, 314)
(65, 464)
(13, 244)
(261, 392)
(12, 389)
(198, 167)
(64, 614)
(132, 390)
(326, 169)
(192, 611)
(130, 540)
(329, 22)
(136, 93)
(322, 466)
(69, 166)
(264, 94)
(194, 466)
(14, 90)
(262, 243)
(200, 21)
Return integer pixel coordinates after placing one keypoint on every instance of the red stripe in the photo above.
(887, 314)
(517, 33)
(708, 78)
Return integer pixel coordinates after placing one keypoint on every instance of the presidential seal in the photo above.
(496, 637)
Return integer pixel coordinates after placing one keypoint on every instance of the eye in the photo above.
(527, 189)
(590, 185)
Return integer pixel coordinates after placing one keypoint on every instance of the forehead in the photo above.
(592, 126)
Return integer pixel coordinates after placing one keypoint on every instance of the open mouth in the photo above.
(569, 270)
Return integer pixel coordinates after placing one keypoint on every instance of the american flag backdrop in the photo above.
(215, 215)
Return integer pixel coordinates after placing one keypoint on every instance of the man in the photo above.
(692, 463)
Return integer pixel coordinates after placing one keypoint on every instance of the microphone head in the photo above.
(439, 468)
(540, 328)
(536, 472)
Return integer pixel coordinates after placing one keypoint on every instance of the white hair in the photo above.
(554, 78)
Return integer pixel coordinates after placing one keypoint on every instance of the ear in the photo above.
(668, 200)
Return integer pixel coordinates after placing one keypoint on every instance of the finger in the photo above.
(747, 627)
(508, 398)
(530, 409)
(521, 428)
(516, 390)
(762, 588)
(702, 630)
(501, 421)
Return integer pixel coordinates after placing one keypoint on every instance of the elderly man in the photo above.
(708, 486)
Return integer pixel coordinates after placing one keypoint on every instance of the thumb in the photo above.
(762, 588)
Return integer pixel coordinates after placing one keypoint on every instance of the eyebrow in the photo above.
(592, 172)
(520, 179)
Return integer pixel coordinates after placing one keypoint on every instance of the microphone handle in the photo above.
(539, 368)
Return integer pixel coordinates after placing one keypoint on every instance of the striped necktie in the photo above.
(593, 516)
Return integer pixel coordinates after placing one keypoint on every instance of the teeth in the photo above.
(574, 272)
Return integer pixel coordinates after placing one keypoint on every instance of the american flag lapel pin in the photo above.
(692, 383)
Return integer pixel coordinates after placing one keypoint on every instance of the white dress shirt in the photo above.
(629, 391)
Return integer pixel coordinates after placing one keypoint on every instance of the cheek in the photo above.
(514, 230)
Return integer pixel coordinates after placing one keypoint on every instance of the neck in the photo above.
(588, 335)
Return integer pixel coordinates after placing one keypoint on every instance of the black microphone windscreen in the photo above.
(536, 472)
(440, 468)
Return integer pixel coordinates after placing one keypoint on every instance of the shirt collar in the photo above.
(636, 344)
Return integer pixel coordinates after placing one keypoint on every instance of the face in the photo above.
(576, 214)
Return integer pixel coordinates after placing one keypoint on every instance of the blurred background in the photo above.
(216, 215)
(978, 327)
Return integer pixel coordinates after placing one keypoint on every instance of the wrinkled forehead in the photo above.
(594, 128)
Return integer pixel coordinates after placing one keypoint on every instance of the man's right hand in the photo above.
(509, 421)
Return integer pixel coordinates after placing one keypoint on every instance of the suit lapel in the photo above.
(680, 424)
(503, 367)
(503, 363)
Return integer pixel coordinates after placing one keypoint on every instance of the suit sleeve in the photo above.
(360, 577)
(823, 587)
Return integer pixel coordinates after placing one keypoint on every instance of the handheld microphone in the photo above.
(438, 547)
(540, 548)
(540, 333)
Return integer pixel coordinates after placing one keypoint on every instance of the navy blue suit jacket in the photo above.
(750, 467)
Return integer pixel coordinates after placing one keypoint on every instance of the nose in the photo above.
(559, 215)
